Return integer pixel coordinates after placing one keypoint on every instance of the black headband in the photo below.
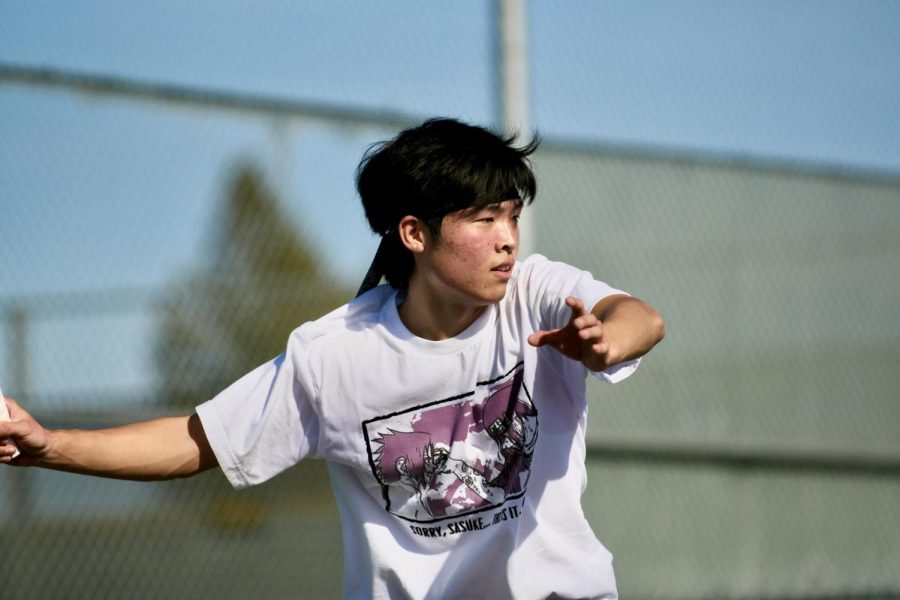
(376, 269)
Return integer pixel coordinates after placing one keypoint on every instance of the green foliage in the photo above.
(262, 282)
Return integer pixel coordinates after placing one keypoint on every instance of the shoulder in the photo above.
(360, 314)
(537, 271)
(542, 286)
(337, 338)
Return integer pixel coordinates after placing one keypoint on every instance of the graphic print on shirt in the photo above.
(460, 455)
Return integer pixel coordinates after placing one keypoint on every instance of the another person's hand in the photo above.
(21, 433)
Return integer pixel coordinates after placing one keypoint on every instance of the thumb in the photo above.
(542, 338)
(538, 338)
(16, 412)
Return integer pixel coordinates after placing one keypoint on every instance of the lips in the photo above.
(504, 271)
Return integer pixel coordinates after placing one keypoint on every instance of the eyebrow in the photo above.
(495, 206)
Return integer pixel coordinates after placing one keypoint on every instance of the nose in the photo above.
(508, 237)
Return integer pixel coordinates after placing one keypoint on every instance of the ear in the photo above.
(413, 234)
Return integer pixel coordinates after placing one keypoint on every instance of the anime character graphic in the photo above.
(451, 457)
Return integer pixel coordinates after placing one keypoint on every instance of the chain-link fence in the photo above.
(755, 455)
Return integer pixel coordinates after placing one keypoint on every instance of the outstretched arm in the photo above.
(618, 328)
(150, 450)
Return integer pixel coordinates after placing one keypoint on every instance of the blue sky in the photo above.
(805, 79)
(808, 81)
(801, 81)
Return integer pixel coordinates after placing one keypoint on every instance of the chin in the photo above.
(493, 297)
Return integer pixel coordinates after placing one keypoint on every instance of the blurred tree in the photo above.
(263, 281)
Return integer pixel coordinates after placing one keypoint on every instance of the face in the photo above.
(472, 260)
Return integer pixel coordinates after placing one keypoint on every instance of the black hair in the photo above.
(429, 171)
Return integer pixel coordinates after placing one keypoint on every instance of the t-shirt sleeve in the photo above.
(548, 284)
(264, 422)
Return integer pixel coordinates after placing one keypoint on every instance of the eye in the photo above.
(486, 220)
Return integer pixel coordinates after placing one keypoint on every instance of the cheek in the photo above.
(469, 260)
(473, 246)
(465, 249)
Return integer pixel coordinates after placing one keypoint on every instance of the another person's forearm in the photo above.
(152, 450)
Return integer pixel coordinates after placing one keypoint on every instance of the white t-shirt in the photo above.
(457, 465)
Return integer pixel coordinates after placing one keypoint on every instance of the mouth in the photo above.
(504, 271)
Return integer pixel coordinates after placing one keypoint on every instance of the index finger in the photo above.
(577, 306)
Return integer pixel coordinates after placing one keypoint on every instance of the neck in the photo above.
(434, 318)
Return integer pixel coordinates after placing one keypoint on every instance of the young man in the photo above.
(449, 404)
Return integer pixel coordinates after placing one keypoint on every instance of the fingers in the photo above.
(8, 449)
(582, 323)
(581, 317)
(7, 452)
(8, 412)
(586, 324)
(541, 338)
(600, 348)
(593, 335)
(12, 430)
(581, 339)
(12, 407)
(576, 305)
(589, 329)
(16, 412)
(4, 423)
